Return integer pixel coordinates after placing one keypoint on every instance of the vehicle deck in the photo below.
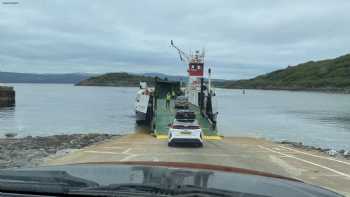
(164, 116)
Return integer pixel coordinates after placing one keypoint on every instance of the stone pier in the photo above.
(7, 96)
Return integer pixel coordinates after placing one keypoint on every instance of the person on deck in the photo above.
(167, 100)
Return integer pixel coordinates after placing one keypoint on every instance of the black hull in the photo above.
(140, 116)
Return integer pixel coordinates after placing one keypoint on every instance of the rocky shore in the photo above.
(32, 151)
(331, 152)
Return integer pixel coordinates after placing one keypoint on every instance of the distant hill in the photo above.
(169, 77)
(117, 79)
(133, 80)
(12, 77)
(325, 75)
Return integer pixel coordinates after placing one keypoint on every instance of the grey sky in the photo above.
(242, 38)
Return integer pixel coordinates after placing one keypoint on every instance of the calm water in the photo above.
(46, 109)
(313, 118)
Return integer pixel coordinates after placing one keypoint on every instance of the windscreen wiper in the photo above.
(129, 187)
(183, 190)
(38, 181)
(45, 177)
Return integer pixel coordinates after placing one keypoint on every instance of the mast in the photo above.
(195, 72)
(209, 81)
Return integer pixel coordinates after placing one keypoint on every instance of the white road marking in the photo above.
(155, 159)
(306, 161)
(128, 157)
(327, 175)
(102, 152)
(322, 157)
(140, 143)
(189, 154)
(113, 147)
(127, 151)
(283, 156)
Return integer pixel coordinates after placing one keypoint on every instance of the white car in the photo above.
(185, 133)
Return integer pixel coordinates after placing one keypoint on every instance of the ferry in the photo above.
(151, 104)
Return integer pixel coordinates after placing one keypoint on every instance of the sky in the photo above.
(242, 39)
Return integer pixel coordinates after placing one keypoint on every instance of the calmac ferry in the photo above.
(150, 102)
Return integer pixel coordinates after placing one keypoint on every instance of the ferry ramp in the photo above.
(242, 152)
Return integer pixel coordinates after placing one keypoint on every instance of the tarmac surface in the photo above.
(250, 153)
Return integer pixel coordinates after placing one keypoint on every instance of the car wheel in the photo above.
(170, 144)
(200, 145)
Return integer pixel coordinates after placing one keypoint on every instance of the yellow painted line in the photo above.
(212, 137)
(162, 137)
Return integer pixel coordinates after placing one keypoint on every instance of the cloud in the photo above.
(242, 39)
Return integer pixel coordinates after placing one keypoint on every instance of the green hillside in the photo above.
(327, 75)
(116, 79)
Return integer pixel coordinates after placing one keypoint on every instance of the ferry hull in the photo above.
(140, 116)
